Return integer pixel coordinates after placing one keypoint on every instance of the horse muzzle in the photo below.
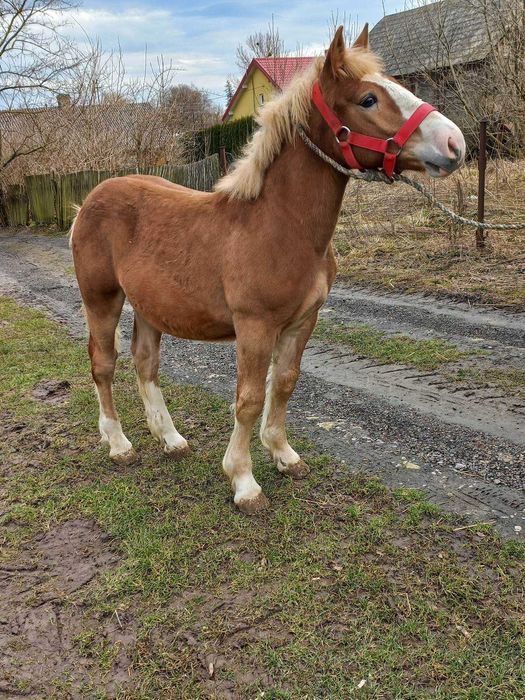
(441, 150)
(442, 167)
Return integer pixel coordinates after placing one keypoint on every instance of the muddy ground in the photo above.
(464, 446)
(34, 619)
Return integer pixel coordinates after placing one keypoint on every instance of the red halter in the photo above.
(346, 138)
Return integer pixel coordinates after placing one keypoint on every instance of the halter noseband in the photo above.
(346, 138)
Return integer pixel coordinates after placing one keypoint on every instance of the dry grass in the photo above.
(391, 237)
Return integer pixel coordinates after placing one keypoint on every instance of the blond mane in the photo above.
(278, 120)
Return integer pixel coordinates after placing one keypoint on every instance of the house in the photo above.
(263, 77)
(423, 46)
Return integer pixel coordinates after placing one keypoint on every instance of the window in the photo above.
(260, 99)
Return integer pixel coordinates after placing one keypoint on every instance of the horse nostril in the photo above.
(454, 148)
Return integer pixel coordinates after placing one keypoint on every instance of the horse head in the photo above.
(373, 121)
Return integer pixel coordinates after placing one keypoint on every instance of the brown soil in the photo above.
(51, 391)
(42, 615)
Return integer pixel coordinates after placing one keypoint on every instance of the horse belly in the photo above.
(190, 314)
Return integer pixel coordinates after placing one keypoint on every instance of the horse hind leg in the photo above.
(145, 347)
(102, 319)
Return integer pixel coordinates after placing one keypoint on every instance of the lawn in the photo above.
(434, 354)
(341, 589)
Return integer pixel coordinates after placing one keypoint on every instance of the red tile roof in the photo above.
(278, 70)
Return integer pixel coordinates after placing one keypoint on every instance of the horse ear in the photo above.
(335, 56)
(362, 40)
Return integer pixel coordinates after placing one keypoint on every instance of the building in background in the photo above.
(263, 77)
(444, 52)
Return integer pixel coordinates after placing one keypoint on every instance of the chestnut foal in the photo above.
(252, 261)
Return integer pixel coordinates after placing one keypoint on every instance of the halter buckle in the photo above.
(390, 142)
(342, 130)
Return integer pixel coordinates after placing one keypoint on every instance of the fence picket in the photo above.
(41, 190)
(72, 189)
(16, 205)
(51, 198)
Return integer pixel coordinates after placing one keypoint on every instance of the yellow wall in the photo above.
(247, 102)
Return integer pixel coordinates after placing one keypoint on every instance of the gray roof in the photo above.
(436, 35)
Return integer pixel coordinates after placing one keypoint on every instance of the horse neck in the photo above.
(308, 190)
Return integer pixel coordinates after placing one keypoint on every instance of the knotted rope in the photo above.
(380, 176)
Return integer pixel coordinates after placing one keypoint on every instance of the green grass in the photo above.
(341, 580)
(368, 342)
(511, 380)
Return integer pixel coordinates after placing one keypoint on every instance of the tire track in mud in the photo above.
(465, 452)
(422, 315)
(426, 392)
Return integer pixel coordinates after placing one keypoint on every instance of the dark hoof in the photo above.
(254, 505)
(297, 471)
(177, 453)
(126, 458)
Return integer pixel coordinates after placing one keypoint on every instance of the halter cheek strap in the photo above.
(346, 138)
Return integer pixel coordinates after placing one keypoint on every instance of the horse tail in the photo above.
(76, 208)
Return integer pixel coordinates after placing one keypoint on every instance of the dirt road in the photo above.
(463, 446)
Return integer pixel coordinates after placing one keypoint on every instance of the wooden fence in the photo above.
(49, 199)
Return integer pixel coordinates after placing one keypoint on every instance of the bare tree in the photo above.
(483, 76)
(190, 107)
(260, 45)
(35, 59)
(104, 120)
(34, 53)
(351, 26)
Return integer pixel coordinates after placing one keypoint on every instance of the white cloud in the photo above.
(201, 42)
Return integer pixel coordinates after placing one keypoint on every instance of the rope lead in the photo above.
(380, 176)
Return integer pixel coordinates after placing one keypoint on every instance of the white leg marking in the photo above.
(159, 420)
(274, 437)
(111, 432)
(237, 465)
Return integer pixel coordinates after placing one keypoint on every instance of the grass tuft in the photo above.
(511, 380)
(368, 342)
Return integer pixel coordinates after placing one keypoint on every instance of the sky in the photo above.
(200, 37)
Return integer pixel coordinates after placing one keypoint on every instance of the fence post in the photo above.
(222, 160)
(4, 220)
(482, 166)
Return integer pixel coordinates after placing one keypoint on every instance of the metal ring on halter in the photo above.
(391, 141)
(346, 131)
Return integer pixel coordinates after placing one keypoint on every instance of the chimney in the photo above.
(63, 101)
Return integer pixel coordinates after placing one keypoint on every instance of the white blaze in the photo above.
(436, 129)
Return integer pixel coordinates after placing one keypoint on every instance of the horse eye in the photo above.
(369, 101)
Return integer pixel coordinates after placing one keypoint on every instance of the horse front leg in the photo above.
(282, 378)
(255, 342)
